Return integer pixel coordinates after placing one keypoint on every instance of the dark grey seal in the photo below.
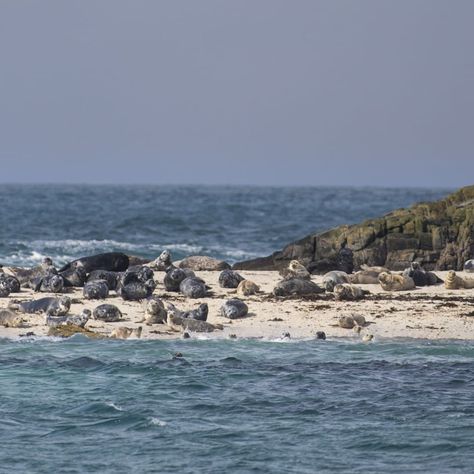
(193, 287)
(77, 320)
(4, 292)
(49, 283)
(108, 313)
(420, 276)
(26, 275)
(173, 278)
(199, 314)
(112, 261)
(49, 305)
(9, 282)
(321, 335)
(96, 290)
(234, 309)
(230, 279)
(333, 278)
(137, 290)
(188, 324)
(137, 273)
(74, 277)
(296, 287)
(112, 278)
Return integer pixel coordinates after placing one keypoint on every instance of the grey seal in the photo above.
(138, 273)
(321, 335)
(51, 305)
(395, 282)
(193, 287)
(112, 278)
(187, 324)
(137, 290)
(199, 314)
(155, 312)
(80, 320)
(11, 283)
(333, 278)
(108, 313)
(229, 279)
(247, 288)
(469, 266)
(173, 278)
(295, 269)
(95, 290)
(25, 275)
(9, 319)
(112, 261)
(234, 309)
(348, 292)
(50, 283)
(420, 276)
(296, 287)
(74, 277)
(162, 262)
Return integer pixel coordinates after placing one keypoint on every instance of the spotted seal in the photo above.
(193, 287)
(395, 282)
(74, 277)
(296, 287)
(247, 288)
(230, 279)
(111, 261)
(234, 309)
(173, 278)
(155, 312)
(137, 290)
(179, 323)
(9, 282)
(295, 270)
(9, 319)
(25, 275)
(112, 278)
(50, 305)
(126, 333)
(162, 262)
(79, 320)
(199, 314)
(420, 276)
(95, 290)
(137, 273)
(349, 292)
(50, 283)
(108, 313)
(333, 278)
(455, 282)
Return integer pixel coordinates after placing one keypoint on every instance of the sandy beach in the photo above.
(427, 312)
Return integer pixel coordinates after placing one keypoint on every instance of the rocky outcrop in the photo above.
(439, 235)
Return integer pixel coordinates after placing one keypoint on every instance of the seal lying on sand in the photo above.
(49, 305)
(420, 276)
(173, 278)
(112, 278)
(186, 324)
(367, 275)
(162, 262)
(81, 320)
(50, 283)
(9, 282)
(112, 261)
(9, 319)
(199, 314)
(138, 273)
(350, 322)
(25, 275)
(108, 313)
(96, 290)
(136, 290)
(295, 270)
(193, 287)
(455, 282)
(395, 282)
(155, 312)
(126, 333)
(348, 292)
(234, 309)
(247, 288)
(230, 279)
(469, 266)
(336, 277)
(296, 287)
(74, 277)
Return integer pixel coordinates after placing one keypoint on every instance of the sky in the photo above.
(271, 92)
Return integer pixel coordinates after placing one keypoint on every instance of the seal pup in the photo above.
(108, 313)
(333, 278)
(136, 290)
(51, 305)
(349, 292)
(96, 290)
(455, 282)
(247, 288)
(80, 320)
(126, 333)
(230, 279)
(469, 266)
(193, 287)
(112, 278)
(155, 312)
(395, 282)
(234, 309)
(9, 282)
(112, 261)
(295, 270)
(420, 276)
(296, 287)
(9, 319)
(162, 262)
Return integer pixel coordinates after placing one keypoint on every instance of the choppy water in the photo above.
(236, 406)
(80, 406)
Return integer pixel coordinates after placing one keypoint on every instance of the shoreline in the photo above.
(431, 313)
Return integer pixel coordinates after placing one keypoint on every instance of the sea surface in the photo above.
(219, 406)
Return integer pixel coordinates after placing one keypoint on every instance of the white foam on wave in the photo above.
(157, 422)
(114, 406)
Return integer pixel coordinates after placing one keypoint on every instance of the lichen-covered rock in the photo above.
(439, 235)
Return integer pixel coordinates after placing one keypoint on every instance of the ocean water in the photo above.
(81, 406)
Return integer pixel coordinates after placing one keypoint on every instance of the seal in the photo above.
(295, 270)
(50, 305)
(321, 335)
(49, 283)
(4, 291)
(367, 338)
(229, 279)
(9, 282)
(469, 266)
(137, 290)
(25, 275)
(420, 276)
(111, 261)
(193, 287)
(234, 309)
(247, 288)
(9, 319)
(394, 282)
(75, 277)
(108, 313)
(199, 314)
(80, 320)
(138, 273)
(173, 278)
(177, 323)
(95, 290)
(112, 278)
(162, 262)
(296, 287)
(155, 312)
(200, 263)
(126, 333)
(455, 282)
(367, 275)
(333, 278)
(346, 322)
(348, 292)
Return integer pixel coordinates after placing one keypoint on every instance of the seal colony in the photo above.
(116, 296)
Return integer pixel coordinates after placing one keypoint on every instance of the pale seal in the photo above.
(367, 275)
(95, 290)
(296, 287)
(25, 275)
(49, 305)
(9, 319)
(247, 288)
(193, 287)
(126, 333)
(234, 309)
(162, 262)
(455, 282)
(80, 320)
(295, 270)
(112, 261)
(108, 313)
(201, 263)
(229, 279)
(155, 312)
(394, 282)
(348, 292)
(333, 278)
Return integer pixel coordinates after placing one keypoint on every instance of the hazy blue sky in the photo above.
(259, 91)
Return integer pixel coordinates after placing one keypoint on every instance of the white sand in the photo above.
(428, 312)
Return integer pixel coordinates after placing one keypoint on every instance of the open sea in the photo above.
(244, 406)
